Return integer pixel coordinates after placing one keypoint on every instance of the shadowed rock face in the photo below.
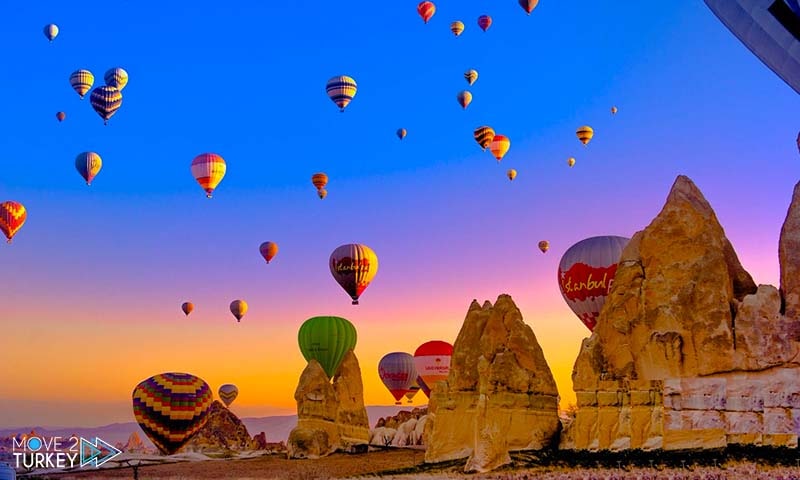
(684, 332)
(222, 432)
(500, 395)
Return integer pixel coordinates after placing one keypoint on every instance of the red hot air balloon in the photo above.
(426, 10)
(586, 273)
(268, 250)
(528, 5)
(484, 21)
(353, 266)
(432, 360)
(398, 373)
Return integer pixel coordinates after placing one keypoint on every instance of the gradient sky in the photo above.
(91, 288)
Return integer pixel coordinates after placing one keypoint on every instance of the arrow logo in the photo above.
(97, 453)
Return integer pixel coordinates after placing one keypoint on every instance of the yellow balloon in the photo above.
(585, 134)
(457, 27)
(511, 174)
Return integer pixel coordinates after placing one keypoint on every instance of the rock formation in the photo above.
(260, 443)
(500, 395)
(330, 416)
(223, 432)
(401, 430)
(401, 417)
(688, 352)
(134, 444)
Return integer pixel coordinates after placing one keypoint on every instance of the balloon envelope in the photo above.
(544, 246)
(239, 309)
(353, 266)
(586, 273)
(484, 136)
(60, 116)
(268, 250)
(398, 373)
(464, 98)
(208, 169)
(457, 27)
(401, 133)
(326, 340)
(12, 218)
(432, 361)
(88, 165)
(106, 101)
(528, 5)
(51, 31)
(81, 81)
(484, 21)
(471, 76)
(426, 10)
(187, 308)
(499, 146)
(116, 77)
(228, 393)
(341, 90)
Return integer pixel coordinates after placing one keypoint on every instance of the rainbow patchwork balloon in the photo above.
(171, 408)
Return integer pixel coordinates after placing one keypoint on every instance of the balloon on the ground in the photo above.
(81, 81)
(106, 101)
(268, 250)
(457, 27)
(544, 246)
(327, 340)
(471, 76)
(398, 373)
(586, 273)
(484, 21)
(228, 393)
(499, 146)
(353, 266)
(432, 361)
(171, 407)
(239, 309)
(484, 136)
(12, 218)
(585, 134)
(51, 31)
(88, 165)
(341, 90)
(187, 308)
(528, 5)
(426, 10)
(208, 170)
(116, 77)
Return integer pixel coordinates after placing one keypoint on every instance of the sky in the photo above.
(91, 288)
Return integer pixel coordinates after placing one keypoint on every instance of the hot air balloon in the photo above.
(51, 31)
(171, 407)
(116, 77)
(327, 340)
(544, 246)
(484, 136)
(528, 5)
(106, 101)
(499, 146)
(88, 165)
(426, 10)
(228, 393)
(320, 180)
(322, 193)
(353, 266)
(401, 133)
(268, 250)
(208, 170)
(614, 110)
(571, 161)
(412, 391)
(470, 76)
(12, 217)
(238, 309)
(484, 21)
(585, 134)
(511, 174)
(341, 90)
(432, 360)
(187, 308)
(464, 98)
(585, 275)
(398, 373)
(60, 116)
(457, 27)
(81, 81)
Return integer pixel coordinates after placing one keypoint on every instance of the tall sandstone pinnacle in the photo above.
(688, 352)
(500, 395)
(222, 432)
(330, 416)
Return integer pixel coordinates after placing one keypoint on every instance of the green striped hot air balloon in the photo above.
(327, 340)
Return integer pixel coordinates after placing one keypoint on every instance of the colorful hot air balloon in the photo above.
(585, 134)
(268, 250)
(12, 217)
(412, 391)
(511, 174)
(88, 165)
(322, 193)
(398, 373)
(60, 116)
(81, 81)
(499, 146)
(470, 76)
(464, 98)
(341, 90)
(544, 246)
(614, 110)
(426, 10)
(116, 77)
(571, 161)
(353, 266)
(528, 5)
(585, 275)
(208, 170)
(457, 27)
(432, 361)
(171, 407)
(484, 136)
(484, 21)
(106, 101)
(401, 133)
(187, 308)
(51, 31)
(228, 393)
(320, 180)
(238, 309)
(327, 340)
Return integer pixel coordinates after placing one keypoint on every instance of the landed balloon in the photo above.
(116, 77)
(81, 81)
(398, 373)
(238, 309)
(544, 246)
(353, 266)
(464, 98)
(484, 21)
(457, 27)
(268, 250)
(106, 101)
(341, 90)
(208, 169)
(511, 174)
(471, 76)
(585, 134)
(484, 136)
(586, 273)
(401, 133)
(228, 393)
(499, 146)
(528, 5)
(88, 165)
(327, 340)
(426, 10)
(171, 407)
(12, 218)
(432, 360)
(60, 116)
(187, 308)
(571, 161)
(51, 31)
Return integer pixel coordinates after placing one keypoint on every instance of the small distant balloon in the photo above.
(239, 309)
(585, 134)
(528, 5)
(484, 21)
(322, 193)
(571, 161)
(401, 133)
(464, 98)
(116, 77)
(187, 308)
(484, 136)
(106, 101)
(208, 170)
(470, 76)
(544, 246)
(511, 174)
(88, 165)
(426, 10)
(81, 81)
(61, 116)
(51, 31)
(268, 250)
(12, 217)
(457, 27)
(499, 146)
(341, 90)
(228, 393)
(320, 180)
(614, 110)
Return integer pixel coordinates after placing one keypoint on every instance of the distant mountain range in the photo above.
(277, 428)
